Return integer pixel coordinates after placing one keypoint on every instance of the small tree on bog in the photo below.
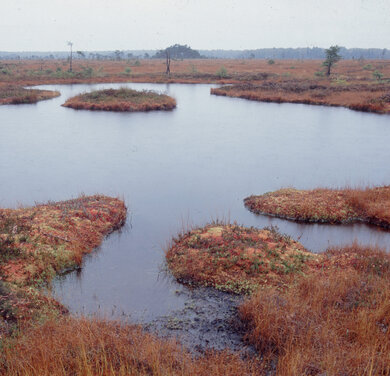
(332, 57)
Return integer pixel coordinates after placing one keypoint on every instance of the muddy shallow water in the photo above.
(178, 169)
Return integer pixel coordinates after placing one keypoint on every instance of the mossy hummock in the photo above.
(236, 258)
(38, 242)
(121, 100)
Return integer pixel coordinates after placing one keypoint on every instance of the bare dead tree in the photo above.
(71, 55)
(168, 61)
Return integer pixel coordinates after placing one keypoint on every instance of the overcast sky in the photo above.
(43, 25)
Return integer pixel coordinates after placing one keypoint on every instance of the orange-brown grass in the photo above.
(374, 97)
(87, 347)
(11, 94)
(40, 241)
(121, 100)
(235, 258)
(194, 70)
(352, 83)
(333, 322)
(371, 205)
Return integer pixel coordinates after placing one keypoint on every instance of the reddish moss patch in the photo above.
(11, 94)
(38, 242)
(121, 100)
(50, 237)
(326, 205)
(235, 258)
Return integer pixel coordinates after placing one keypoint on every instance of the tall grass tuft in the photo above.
(98, 347)
(334, 322)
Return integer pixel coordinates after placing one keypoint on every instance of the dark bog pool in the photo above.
(178, 169)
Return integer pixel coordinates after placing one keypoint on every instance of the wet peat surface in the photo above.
(181, 169)
(209, 320)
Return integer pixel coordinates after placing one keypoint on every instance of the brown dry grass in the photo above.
(12, 94)
(197, 71)
(352, 83)
(122, 99)
(374, 97)
(334, 322)
(331, 317)
(237, 259)
(371, 205)
(87, 347)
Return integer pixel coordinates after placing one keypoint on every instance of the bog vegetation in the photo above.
(235, 258)
(308, 314)
(38, 242)
(14, 94)
(122, 99)
(370, 205)
(360, 97)
(357, 84)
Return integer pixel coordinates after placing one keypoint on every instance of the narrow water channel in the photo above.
(180, 169)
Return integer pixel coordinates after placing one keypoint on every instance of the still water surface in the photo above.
(182, 168)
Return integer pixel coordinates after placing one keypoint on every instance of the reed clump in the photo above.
(121, 100)
(370, 205)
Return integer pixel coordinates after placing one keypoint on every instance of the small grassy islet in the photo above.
(235, 258)
(122, 99)
(370, 205)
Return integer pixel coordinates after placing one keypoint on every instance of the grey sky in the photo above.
(43, 25)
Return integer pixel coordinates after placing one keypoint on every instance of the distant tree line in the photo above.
(185, 52)
(307, 53)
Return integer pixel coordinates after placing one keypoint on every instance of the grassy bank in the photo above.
(121, 100)
(307, 314)
(374, 97)
(371, 205)
(38, 242)
(12, 94)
